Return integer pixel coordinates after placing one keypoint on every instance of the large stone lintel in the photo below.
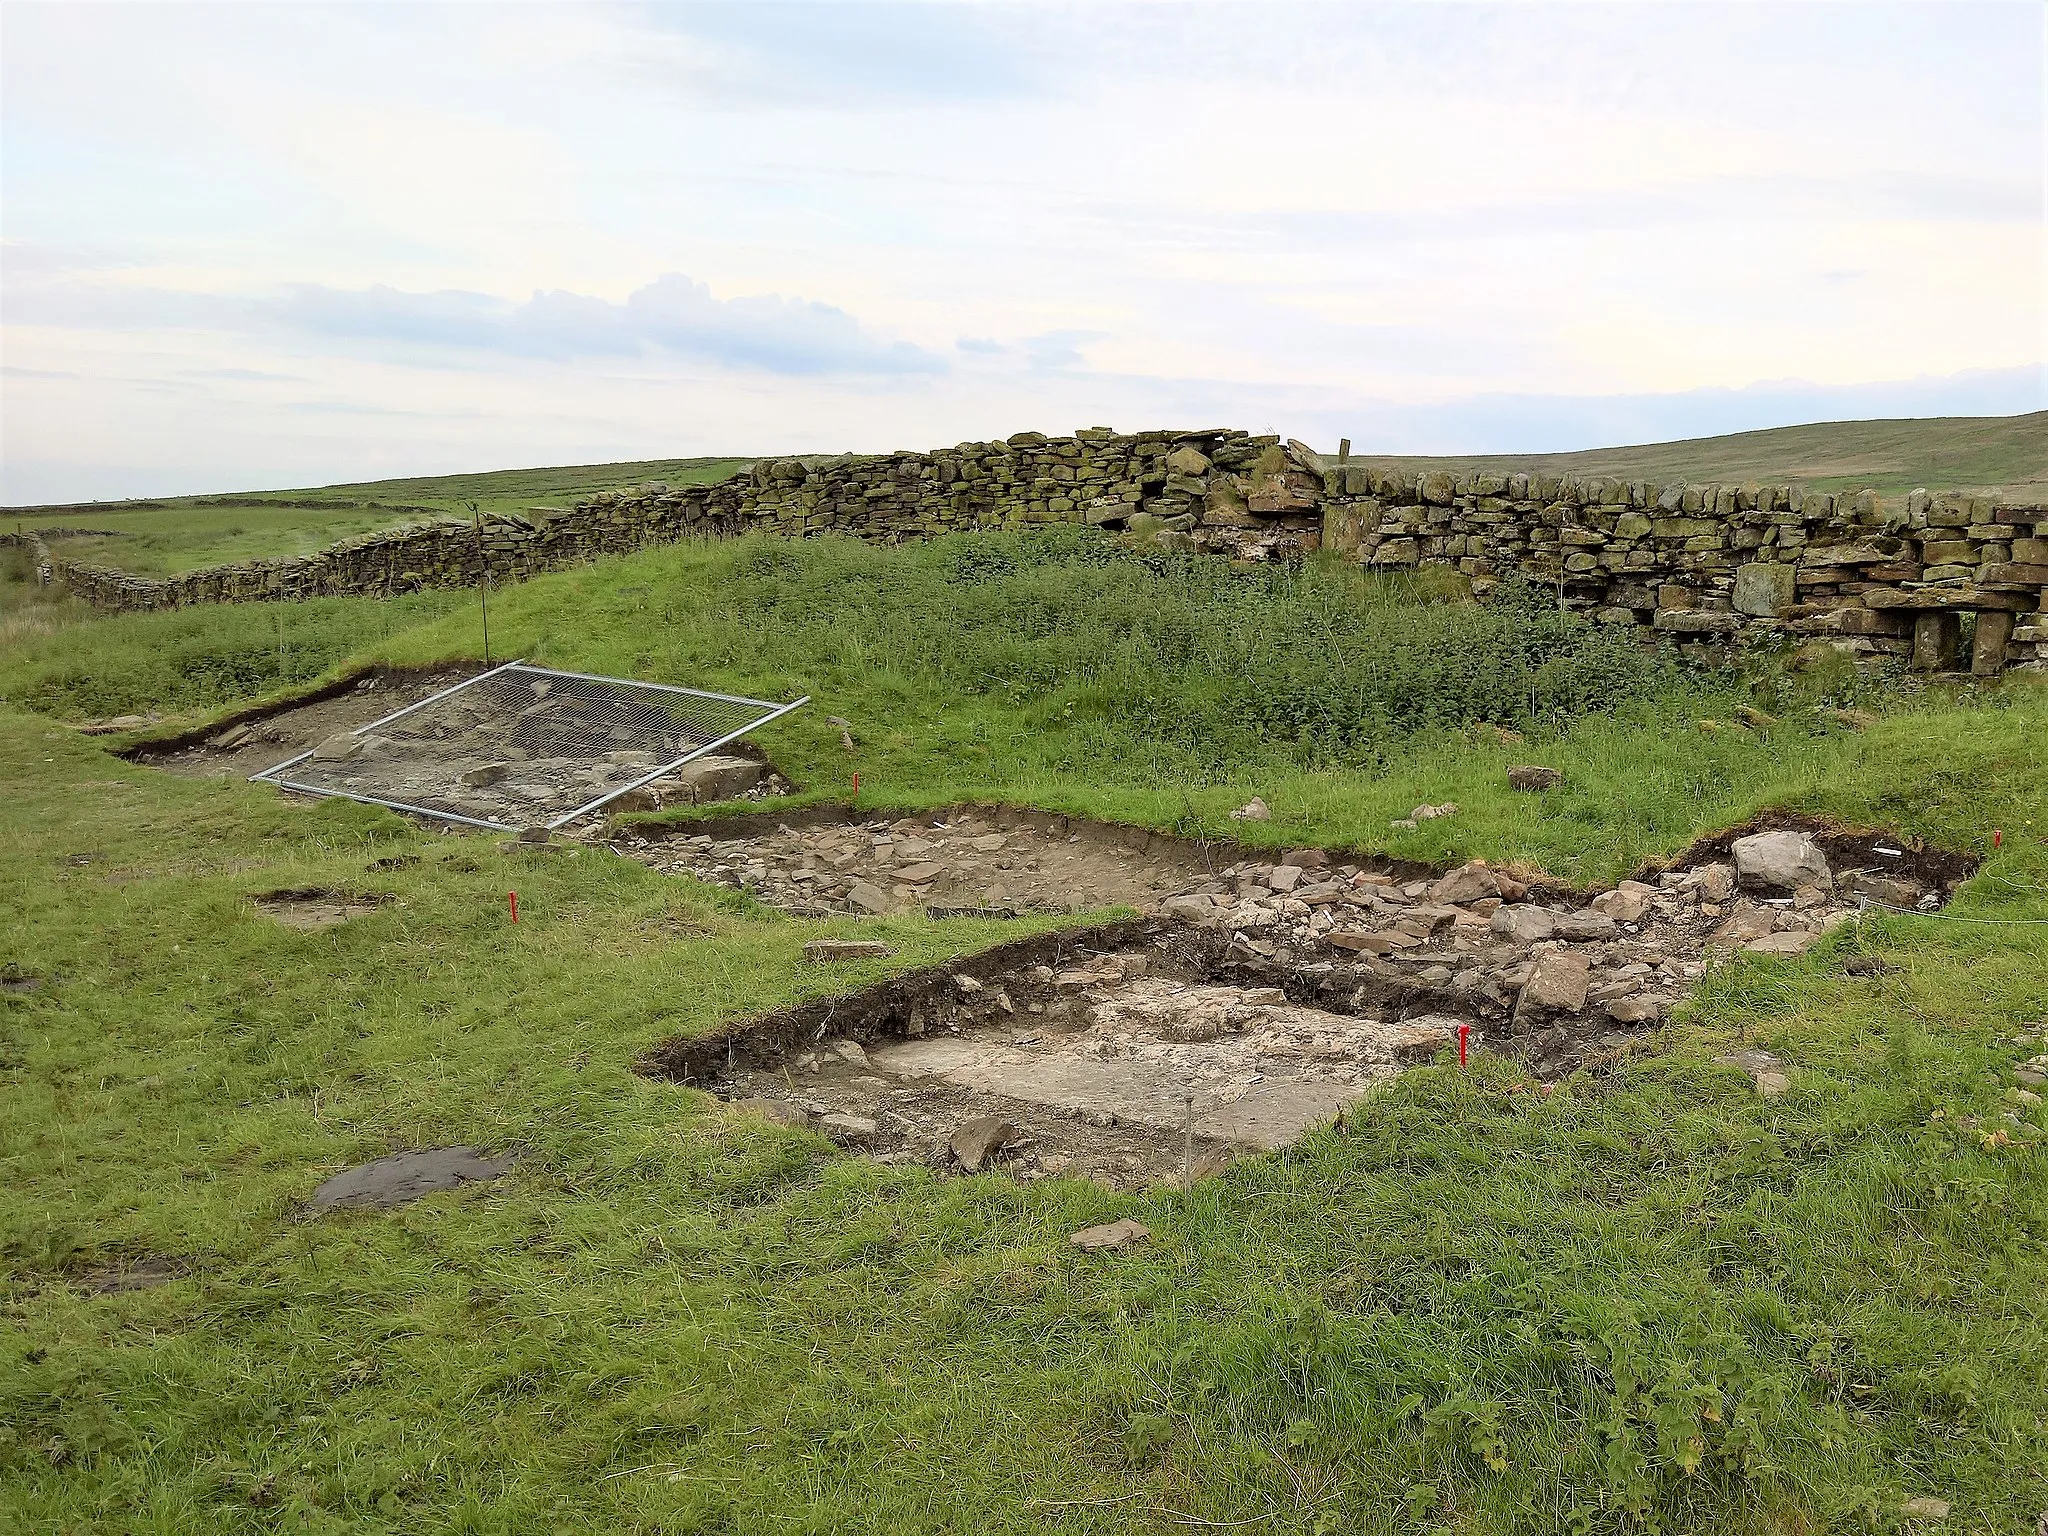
(1960, 598)
(2013, 575)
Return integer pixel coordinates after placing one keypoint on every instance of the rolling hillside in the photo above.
(181, 533)
(1940, 453)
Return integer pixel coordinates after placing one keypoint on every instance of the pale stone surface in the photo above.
(1112, 1236)
(1524, 924)
(1764, 589)
(1780, 861)
(824, 950)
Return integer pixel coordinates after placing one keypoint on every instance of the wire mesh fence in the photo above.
(522, 746)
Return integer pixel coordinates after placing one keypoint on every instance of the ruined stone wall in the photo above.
(1696, 563)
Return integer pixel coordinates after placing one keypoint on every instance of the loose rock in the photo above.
(1468, 882)
(1524, 924)
(1556, 987)
(1531, 778)
(1109, 1238)
(1766, 1071)
(858, 1129)
(407, 1176)
(1780, 861)
(975, 1141)
(823, 951)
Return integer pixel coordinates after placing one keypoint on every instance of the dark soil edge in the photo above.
(1846, 848)
(884, 1010)
(250, 714)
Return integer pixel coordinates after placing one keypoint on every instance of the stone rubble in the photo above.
(964, 863)
(1525, 963)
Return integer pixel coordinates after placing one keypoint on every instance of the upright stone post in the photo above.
(1987, 651)
(1937, 637)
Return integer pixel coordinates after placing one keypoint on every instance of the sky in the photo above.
(262, 245)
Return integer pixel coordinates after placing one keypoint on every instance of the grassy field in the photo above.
(1648, 1300)
(184, 532)
(1893, 457)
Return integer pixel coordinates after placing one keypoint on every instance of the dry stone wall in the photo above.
(1945, 581)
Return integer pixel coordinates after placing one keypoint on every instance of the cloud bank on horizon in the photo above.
(260, 246)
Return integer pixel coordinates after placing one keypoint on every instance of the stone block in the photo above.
(825, 951)
(1987, 649)
(1344, 528)
(1397, 552)
(2013, 574)
(1764, 589)
(1937, 637)
(1694, 622)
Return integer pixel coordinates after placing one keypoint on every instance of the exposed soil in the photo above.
(315, 907)
(1268, 998)
(1847, 848)
(138, 1274)
(460, 763)
(254, 740)
(979, 859)
(408, 1176)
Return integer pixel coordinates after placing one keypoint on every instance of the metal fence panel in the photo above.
(522, 746)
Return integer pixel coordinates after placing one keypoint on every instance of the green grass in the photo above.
(1893, 457)
(1051, 671)
(179, 533)
(189, 662)
(1647, 1300)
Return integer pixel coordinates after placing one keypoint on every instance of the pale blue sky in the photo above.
(273, 244)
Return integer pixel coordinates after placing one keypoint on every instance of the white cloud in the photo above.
(461, 216)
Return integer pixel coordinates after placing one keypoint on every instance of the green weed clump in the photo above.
(1219, 663)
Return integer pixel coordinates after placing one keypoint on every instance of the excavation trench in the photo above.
(1243, 1012)
(256, 739)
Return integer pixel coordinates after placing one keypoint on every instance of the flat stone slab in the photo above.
(1267, 1115)
(407, 1176)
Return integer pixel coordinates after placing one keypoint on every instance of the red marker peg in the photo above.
(856, 786)
(513, 897)
(1997, 837)
(1464, 1039)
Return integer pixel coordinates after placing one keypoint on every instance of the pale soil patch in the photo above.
(315, 908)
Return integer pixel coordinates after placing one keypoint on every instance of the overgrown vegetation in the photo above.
(1218, 664)
(1646, 1300)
